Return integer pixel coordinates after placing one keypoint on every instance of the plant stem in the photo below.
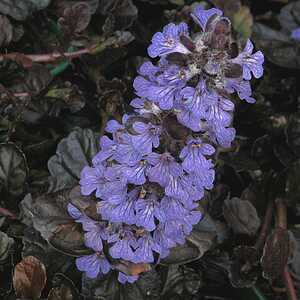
(60, 68)
(288, 281)
(282, 223)
(265, 227)
(7, 213)
(45, 58)
(258, 293)
(281, 213)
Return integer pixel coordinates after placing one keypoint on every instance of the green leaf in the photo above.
(13, 169)
(243, 21)
(147, 287)
(277, 46)
(180, 281)
(241, 216)
(48, 215)
(72, 155)
(22, 9)
(292, 188)
(5, 246)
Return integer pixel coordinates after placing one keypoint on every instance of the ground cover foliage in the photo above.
(67, 68)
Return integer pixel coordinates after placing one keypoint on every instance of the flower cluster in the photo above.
(155, 166)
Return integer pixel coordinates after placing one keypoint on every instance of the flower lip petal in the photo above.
(201, 16)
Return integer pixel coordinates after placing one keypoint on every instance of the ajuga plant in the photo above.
(153, 169)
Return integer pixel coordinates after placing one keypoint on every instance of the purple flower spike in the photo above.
(201, 16)
(155, 166)
(93, 265)
(250, 62)
(296, 34)
(168, 41)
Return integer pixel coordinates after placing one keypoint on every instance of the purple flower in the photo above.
(188, 119)
(92, 179)
(106, 184)
(162, 243)
(113, 126)
(174, 231)
(296, 34)
(219, 118)
(250, 62)
(108, 208)
(95, 233)
(120, 208)
(147, 69)
(242, 87)
(202, 16)
(168, 41)
(194, 105)
(164, 166)
(123, 278)
(143, 106)
(190, 219)
(193, 156)
(177, 229)
(108, 148)
(144, 253)
(182, 188)
(146, 138)
(147, 209)
(164, 89)
(136, 174)
(126, 151)
(220, 111)
(124, 243)
(172, 208)
(193, 192)
(203, 179)
(196, 99)
(220, 134)
(93, 265)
